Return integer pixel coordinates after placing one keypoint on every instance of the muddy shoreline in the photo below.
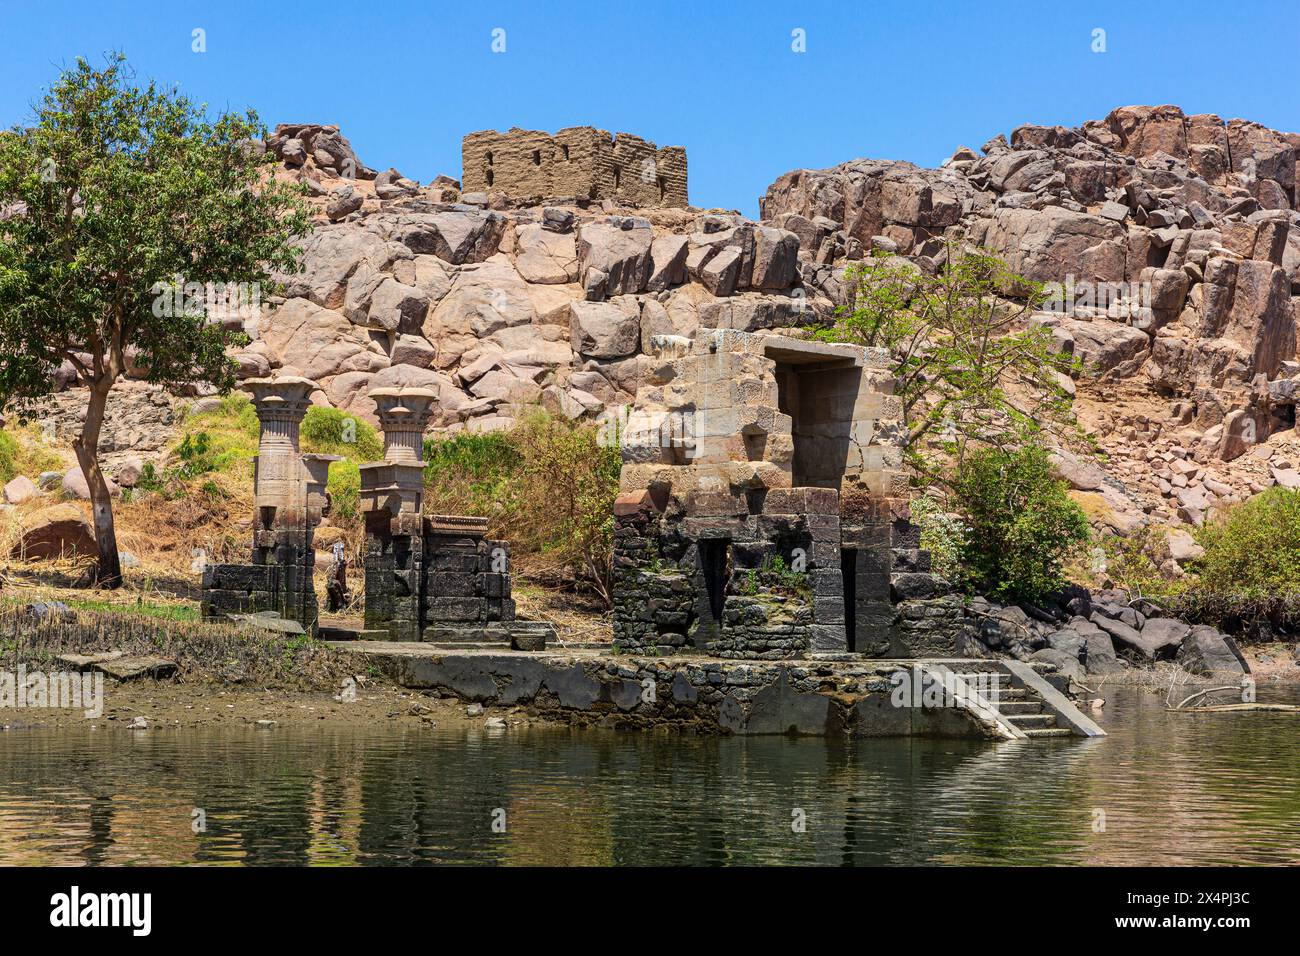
(175, 705)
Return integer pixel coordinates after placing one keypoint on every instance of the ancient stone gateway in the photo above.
(427, 578)
(432, 578)
(289, 501)
(579, 162)
(762, 505)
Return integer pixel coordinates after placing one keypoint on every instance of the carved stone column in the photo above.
(392, 495)
(289, 500)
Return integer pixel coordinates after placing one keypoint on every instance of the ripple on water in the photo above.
(1161, 789)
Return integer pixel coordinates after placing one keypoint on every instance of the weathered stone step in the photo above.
(1018, 707)
(1048, 732)
(1025, 721)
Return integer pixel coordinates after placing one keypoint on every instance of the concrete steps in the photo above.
(1024, 710)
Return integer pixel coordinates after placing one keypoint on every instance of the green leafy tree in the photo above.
(1020, 523)
(122, 207)
(969, 365)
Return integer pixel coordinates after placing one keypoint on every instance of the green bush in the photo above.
(942, 534)
(1022, 524)
(548, 486)
(470, 473)
(329, 431)
(1252, 553)
(344, 487)
(562, 502)
(9, 453)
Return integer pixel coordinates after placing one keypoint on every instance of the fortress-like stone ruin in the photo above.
(762, 510)
(579, 162)
(427, 578)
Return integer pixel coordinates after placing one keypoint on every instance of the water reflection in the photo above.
(1173, 789)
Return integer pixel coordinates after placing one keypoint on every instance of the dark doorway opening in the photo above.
(713, 568)
(849, 568)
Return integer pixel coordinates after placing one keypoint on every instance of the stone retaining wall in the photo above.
(694, 695)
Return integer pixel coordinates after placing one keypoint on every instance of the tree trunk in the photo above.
(109, 573)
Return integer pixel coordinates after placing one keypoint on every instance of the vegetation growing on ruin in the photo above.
(971, 368)
(775, 576)
(547, 485)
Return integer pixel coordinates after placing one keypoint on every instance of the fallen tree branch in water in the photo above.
(1202, 693)
(1234, 708)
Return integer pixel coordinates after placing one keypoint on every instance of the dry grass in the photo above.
(575, 619)
(205, 652)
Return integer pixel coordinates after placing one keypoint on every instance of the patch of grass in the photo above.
(469, 473)
(24, 452)
(231, 432)
(329, 431)
(167, 612)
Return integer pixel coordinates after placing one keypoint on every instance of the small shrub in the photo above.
(8, 457)
(547, 486)
(563, 496)
(777, 577)
(1022, 523)
(942, 534)
(1251, 565)
(329, 431)
(344, 487)
(1133, 562)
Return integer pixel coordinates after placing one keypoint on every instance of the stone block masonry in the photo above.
(435, 578)
(692, 694)
(581, 162)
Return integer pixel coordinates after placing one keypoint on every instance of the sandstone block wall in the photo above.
(580, 161)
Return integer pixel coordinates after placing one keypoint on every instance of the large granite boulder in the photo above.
(1206, 651)
(60, 531)
(605, 330)
(618, 252)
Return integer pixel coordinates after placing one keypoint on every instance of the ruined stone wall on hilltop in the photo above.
(579, 162)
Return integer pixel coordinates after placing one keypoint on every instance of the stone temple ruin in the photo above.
(580, 162)
(430, 577)
(762, 510)
(762, 515)
(427, 578)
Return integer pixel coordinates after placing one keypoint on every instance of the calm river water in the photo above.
(1173, 789)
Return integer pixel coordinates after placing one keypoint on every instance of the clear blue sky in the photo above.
(898, 80)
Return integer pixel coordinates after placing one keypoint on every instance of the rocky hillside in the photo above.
(1174, 237)
(1172, 233)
